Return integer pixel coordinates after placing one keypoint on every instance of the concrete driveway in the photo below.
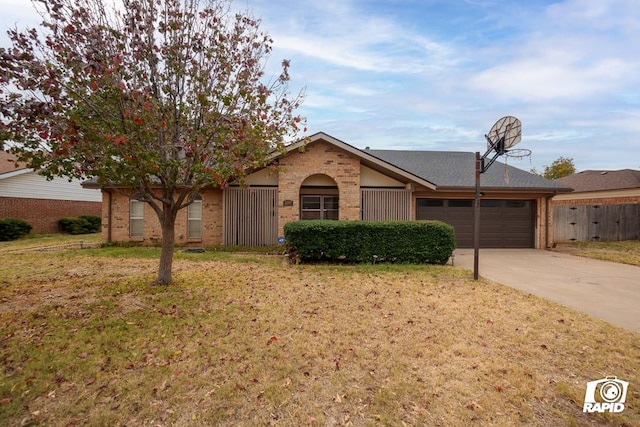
(602, 289)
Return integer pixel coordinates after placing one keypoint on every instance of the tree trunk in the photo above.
(168, 244)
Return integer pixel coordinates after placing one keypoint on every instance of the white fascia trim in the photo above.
(15, 173)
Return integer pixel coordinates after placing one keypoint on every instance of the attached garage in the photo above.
(503, 223)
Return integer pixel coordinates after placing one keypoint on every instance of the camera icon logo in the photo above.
(605, 395)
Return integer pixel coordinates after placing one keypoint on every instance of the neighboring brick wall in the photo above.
(43, 215)
(318, 158)
(599, 201)
(120, 205)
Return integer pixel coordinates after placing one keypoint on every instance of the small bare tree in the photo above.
(161, 97)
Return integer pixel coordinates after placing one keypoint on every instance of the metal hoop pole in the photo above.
(476, 219)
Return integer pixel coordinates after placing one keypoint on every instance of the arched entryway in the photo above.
(319, 198)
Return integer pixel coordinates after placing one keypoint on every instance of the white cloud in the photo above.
(548, 78)
(575, 49)
(340, 34)
(417, 74)
(618, 15)
(392, 52)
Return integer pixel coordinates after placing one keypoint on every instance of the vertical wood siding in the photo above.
(382, 205)
(586, 223)
(250, 217)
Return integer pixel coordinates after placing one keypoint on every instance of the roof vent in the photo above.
(603, 173)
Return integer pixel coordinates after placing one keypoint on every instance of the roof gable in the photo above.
(601, 180)
(366, 158)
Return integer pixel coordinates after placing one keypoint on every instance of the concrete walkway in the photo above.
(606, 290)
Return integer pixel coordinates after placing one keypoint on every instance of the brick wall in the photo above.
(318, 158)
(43, 215)
(117, 205)
(599, 201)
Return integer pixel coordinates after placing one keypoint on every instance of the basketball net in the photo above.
(518, 154)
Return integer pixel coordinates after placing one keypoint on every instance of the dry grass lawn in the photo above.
(626, 252)
(243, 339)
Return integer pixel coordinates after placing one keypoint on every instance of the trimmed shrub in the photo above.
(84, 224)
(413, 242)
(13, 229)
(95, 222)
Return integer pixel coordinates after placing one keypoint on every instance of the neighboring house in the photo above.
(604, 206)
(29, 196)
(323, 177)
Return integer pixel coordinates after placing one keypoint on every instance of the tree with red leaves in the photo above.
(160, 97)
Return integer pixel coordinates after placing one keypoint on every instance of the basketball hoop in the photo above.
(516, 153)
(501, 139)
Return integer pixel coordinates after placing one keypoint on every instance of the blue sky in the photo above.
(436, 74)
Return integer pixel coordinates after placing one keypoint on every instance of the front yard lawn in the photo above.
(244, 339)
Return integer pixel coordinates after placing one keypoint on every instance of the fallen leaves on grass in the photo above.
(251, 341)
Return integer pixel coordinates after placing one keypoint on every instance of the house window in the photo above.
(491, 203)
(194, 218)
(430, 203)
(460, 203)
(318, 207)
(517, 203)
(136, 217)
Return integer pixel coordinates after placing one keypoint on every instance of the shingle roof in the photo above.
(600, 180)
(437, 169)
(455, 169)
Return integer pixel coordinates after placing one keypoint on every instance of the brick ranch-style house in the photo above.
(26, 195)
(323, 177)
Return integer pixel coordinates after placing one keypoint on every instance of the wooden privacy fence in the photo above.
(250, 216)
(383, 204)
(586, 223)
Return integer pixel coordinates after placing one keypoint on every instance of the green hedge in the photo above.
(13, 229)
(84, 224)
(413, 242)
